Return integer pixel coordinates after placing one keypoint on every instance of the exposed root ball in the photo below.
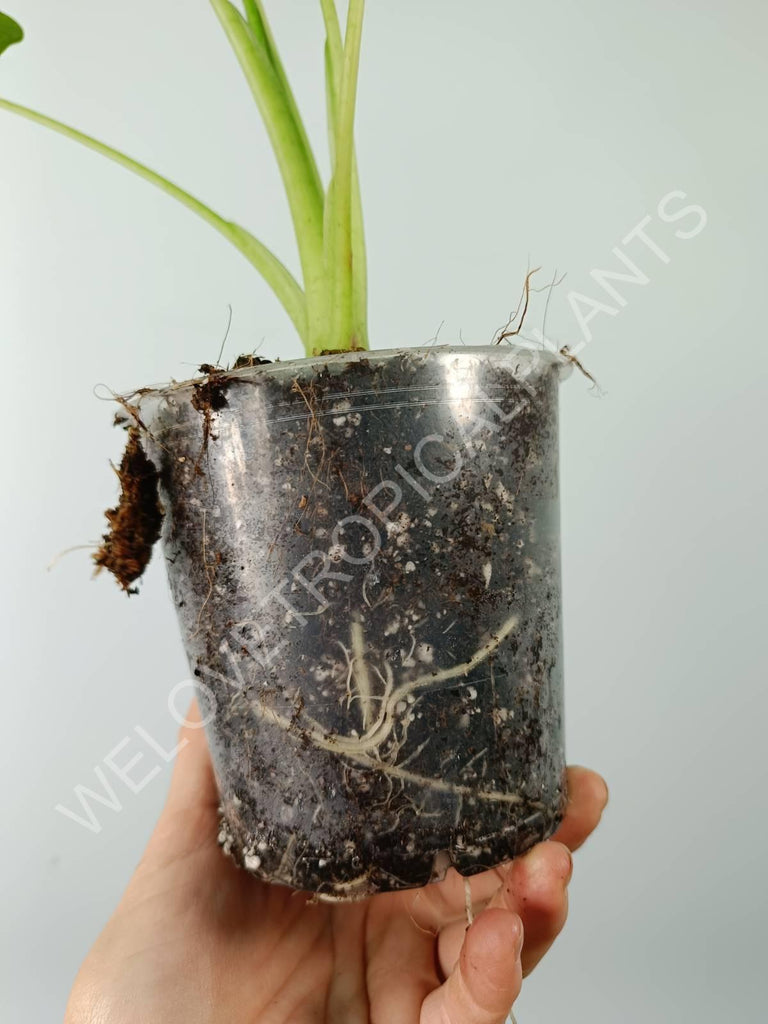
(134, 525)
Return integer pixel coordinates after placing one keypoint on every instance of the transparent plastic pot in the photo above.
(364, 553)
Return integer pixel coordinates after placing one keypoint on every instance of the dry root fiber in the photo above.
(134, 524)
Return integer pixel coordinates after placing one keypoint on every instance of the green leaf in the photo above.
(10, 32)
(282, 283)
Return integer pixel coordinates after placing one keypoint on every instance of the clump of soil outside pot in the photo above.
(136, 520)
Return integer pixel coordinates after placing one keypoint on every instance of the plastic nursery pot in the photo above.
(364, 553)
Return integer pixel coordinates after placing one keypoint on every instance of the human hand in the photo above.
(196, 940)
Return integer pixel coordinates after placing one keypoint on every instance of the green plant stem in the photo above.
(330, 312)
(296, 162)
(339, 218)
(334, 60)
(269, 266)
(257, 20)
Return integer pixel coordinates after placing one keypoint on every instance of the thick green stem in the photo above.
(297, 165)
(331, 310)
(257, 20)
(334, 61)
(338, 225)
(269, 266)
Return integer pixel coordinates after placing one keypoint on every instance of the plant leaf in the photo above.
(277, 276)
(10, 32)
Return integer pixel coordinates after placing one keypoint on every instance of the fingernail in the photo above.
(569, 864)
(535, 854)
(606, 793)
(519, 939)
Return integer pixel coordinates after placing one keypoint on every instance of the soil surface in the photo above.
(364, 555)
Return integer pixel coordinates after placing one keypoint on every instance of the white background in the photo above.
(489, 133)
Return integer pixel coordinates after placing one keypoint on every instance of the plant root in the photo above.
(366, 750)
(208, 397)
(506, 332)
(566, 353)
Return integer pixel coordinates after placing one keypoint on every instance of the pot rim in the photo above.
(288, 367)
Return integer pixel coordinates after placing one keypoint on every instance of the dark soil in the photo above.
(208, 397)
(136, 521)
(250, 360)
(385, 695)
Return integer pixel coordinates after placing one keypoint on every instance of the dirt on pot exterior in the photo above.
(135, 522)
(364, 554)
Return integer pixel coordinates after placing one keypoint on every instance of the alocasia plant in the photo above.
(329, 307)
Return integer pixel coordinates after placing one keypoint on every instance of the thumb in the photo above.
(487, 977)
(193, 785)
(189, 820)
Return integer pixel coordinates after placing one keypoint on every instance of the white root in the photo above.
(362, 679)
(365, 750)
(385, 721)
